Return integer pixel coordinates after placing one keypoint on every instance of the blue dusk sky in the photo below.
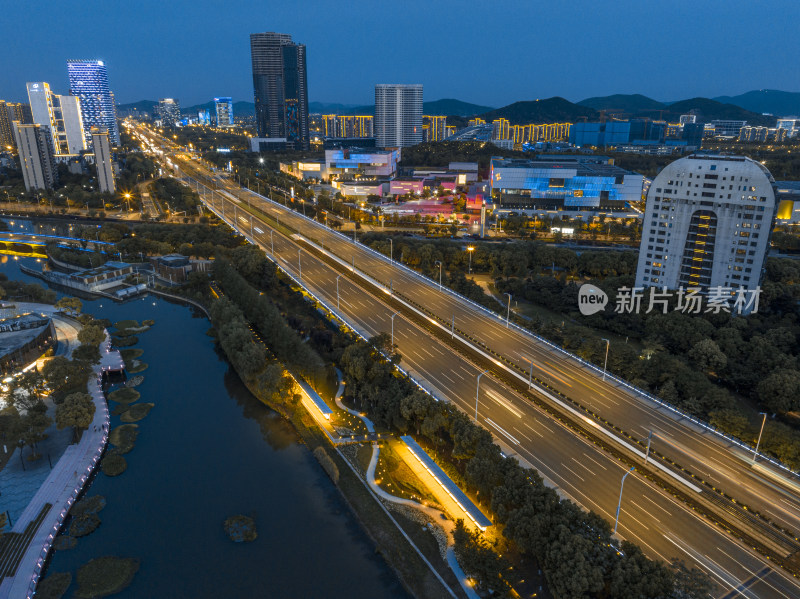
(490, 53)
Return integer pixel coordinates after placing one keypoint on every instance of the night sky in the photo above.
(490, 53)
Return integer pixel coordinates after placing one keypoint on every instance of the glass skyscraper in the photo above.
(280, 88)
(88, 79)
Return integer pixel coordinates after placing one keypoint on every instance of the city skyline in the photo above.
(571, 57)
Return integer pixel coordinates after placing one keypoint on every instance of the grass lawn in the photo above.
(396, 478)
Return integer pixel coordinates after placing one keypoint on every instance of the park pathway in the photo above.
(24, 550)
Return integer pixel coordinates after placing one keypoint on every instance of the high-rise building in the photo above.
(169, 111)
(433, 127)
(61, 115)
(6, 134)
(88, 79)
(500, 128)
(224, 108)
(35, 156)
(707, 224)
(398, 115)
(203, 117)
(103, 160)
(280, 88)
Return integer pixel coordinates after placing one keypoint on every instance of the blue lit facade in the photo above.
(379, 164)
(566, 185)
(224, 108)
(88, 79)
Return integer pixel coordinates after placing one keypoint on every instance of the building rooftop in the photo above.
(109, 266)
(583, 169)
(11, 340)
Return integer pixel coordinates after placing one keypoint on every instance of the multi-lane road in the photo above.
(663, 526)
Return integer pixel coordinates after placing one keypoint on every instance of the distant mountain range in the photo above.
(445, 106)
(772, 101)
(637, 105)
(749, 107)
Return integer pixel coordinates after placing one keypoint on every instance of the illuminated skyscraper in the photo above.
(61, 115)
(224, 108)
(398, 115)
(280, 88)
(35, 156)
(169, 111)
(707, 224)
(88, 79)
(103, 160)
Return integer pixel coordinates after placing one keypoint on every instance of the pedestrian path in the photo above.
(59, 490)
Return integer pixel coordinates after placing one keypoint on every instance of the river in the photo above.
(208, 450)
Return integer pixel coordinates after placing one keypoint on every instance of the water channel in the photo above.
(209, 450)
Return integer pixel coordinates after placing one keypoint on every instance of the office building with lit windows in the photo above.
(563, 182)
(35, 156)
(434, 128)
(88, 80)
(61, 115)
(224, 109)
(103, 161)
(707, 223)
(398, 115)
(168, 111)
(280, 89)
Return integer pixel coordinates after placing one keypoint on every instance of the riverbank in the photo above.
(27, 548)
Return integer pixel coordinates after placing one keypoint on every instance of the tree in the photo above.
(92, 334)
(77, 410)
(780, 391)
(72, 305)
(32, 427)
(86, 353)
(707, 356)
(61, 374)
(480, 561)
(690, 584)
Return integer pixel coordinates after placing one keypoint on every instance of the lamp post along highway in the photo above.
(391, 251)
(647, 453)
(470, 249)
(439, 262)
(605, 364)
(477, 393)
(337, 291)
(530, 375)
(393, 315)
(761, 432)
(619, 503)
(272, 242)
(299, 264)
(508, 309)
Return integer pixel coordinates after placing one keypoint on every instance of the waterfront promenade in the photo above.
(24, 551)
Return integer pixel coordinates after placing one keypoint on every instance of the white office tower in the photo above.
(35, 156)
(707, 224)
(398, 115)
(61, 115)
(103, 160)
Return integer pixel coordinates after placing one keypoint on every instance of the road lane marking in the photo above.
(504, 402)
(499, 428)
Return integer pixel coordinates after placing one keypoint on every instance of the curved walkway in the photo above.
(440, 518)
(447, 525)
(338, 399)
(60, 490)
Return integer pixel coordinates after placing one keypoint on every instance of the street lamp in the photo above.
(619, 504)
(508, 309)
(605, 364)
(763, 422)
(439, 262)
(393, 315)
(477, 393)
(470, 249)
(391, 251)
(299, 264)
(337, 291)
